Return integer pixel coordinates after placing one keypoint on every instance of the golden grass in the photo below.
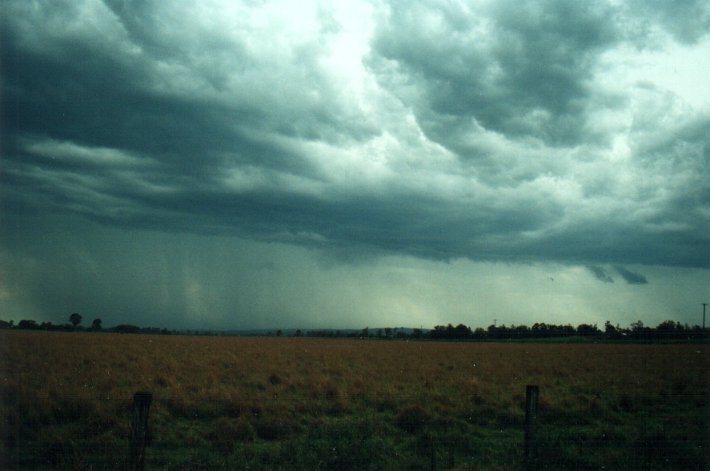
(270, 388)
(300, 374)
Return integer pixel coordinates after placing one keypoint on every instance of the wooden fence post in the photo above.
(531, 395)
(139, 429)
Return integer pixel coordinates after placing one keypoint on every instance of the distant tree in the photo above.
(299, 333)
(75, 319)
(521, 331)
(441, 332)
(127, 329)
(449, 331)
(639, 331)
(669, 329)
(611, 331)
(27, 324)
(586, 330)
(96, 325)
(542, 330)
(493, 331)
(462, 332)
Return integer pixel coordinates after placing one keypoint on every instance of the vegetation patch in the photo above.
(304, 403)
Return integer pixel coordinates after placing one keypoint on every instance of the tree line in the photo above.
(74, 325)
(666, 330)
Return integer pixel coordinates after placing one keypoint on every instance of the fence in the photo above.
(140, 431)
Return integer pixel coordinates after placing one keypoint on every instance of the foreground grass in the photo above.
(293, 403)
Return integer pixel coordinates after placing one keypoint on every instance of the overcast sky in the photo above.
(277, 164)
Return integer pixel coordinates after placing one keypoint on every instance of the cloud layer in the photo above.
(537, 131)
(485, 131)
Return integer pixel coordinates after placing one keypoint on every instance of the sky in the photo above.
(305, 164)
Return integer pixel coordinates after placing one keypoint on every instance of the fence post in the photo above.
(531, 395)
(139, 429)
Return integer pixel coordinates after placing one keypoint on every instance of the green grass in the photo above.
(234, 403)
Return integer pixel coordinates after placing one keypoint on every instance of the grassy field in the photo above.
(296, 403)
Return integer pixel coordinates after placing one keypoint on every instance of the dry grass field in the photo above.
(297, 403)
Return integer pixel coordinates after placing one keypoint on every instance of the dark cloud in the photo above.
(478, 131)
(600, 273)
(631, 277)
(520, 68)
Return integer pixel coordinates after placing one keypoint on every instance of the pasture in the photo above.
(302, 403)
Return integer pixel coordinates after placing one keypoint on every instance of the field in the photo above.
(297, 403)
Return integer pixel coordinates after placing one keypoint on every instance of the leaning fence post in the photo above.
(531, 394)
(139, 429)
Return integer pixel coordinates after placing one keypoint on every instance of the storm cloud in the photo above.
(631, 277)
(600, 274)
(543, 132)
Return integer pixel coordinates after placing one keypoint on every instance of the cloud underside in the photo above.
(489, 132)
(600, 273)
(632, 278)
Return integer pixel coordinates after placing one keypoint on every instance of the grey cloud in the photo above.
(152, 91)
(686, 20)
(631, 277)
(243, 164)
(519, 68)
(600, 273)
(675, 186)
(199, 128)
